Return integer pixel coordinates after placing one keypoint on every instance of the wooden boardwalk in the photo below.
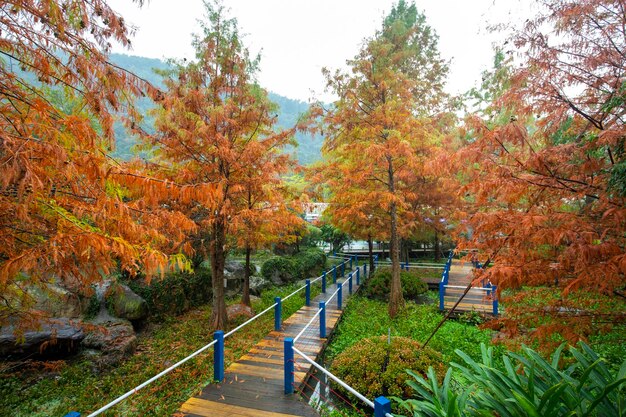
(476, 300)
(253, 386)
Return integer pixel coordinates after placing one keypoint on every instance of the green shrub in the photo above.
(305, 264)
(93, 307)
(377, 287)
(373, 367)
(310, 262)
(527, 385)
(176, 292)
(282, 268)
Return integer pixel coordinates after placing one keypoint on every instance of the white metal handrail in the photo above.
(194, 354)
(334, 378)
(154, 378)
(460, 287)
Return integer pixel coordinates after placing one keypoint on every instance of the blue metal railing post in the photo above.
(339, 296)
(382, 406)
(307, 293)
(350, 283)
(495, 300)
(72, 414)
(364, 270)
(288, 344)
(442, 290)
(277, 313)
(358, 276)
(351, 262)
(324, 282)
(218, 356)
(335, 274)
(343, 269)
(322, 319)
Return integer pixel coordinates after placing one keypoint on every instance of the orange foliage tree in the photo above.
(546, 173)
(214, 136)
(63, 215)
(379, 132)
(264, 209)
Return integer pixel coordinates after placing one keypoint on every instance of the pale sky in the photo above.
(296, 38)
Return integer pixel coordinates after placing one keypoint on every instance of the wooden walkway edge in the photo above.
(253, 385)
(476, 300)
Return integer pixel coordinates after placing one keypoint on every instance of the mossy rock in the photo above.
(122, 302)
(374, 368)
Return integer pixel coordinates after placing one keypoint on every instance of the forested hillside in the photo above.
(307, 151)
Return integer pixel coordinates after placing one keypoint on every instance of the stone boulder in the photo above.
(239, 312)
(56, 301)
(233, 277)
(114, 338)
(259, 284)
(122, 302)
(57, 335)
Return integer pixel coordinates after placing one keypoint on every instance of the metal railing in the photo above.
(218, 341)
(489, 290)
(381, 405)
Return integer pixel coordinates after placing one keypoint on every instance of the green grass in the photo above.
(53, 389)
(365, 318)
(596, 318)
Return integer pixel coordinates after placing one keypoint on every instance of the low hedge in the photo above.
(176, 292)
(378, 286)
(375, 367)
(302, 265)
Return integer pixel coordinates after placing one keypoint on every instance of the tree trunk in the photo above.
(218, 260)
(370, 247)
(396, 302)
(436, 246)
(245, 298)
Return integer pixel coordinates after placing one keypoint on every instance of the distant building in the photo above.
(313, 211)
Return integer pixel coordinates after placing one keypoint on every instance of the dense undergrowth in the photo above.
(42, 389)
(364, 318)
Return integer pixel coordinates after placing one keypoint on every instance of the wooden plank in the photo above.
(253, 385)
(216, 409)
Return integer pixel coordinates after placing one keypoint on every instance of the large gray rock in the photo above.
(56, 334)
(56, 301)
(112, 336)
(239, 312)
(124, 303)
(259, 284)
(115, 339)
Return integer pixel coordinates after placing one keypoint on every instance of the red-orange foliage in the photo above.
(380, 133)
(547, 184)
(62, 212)
(214, 136)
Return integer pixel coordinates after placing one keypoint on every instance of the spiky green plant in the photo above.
(525, 385)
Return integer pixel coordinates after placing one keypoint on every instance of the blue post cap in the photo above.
(382, 406)
(72, 414)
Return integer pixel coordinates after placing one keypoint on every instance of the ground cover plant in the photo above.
(364, 318)
(42, 389)
(545, 318)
